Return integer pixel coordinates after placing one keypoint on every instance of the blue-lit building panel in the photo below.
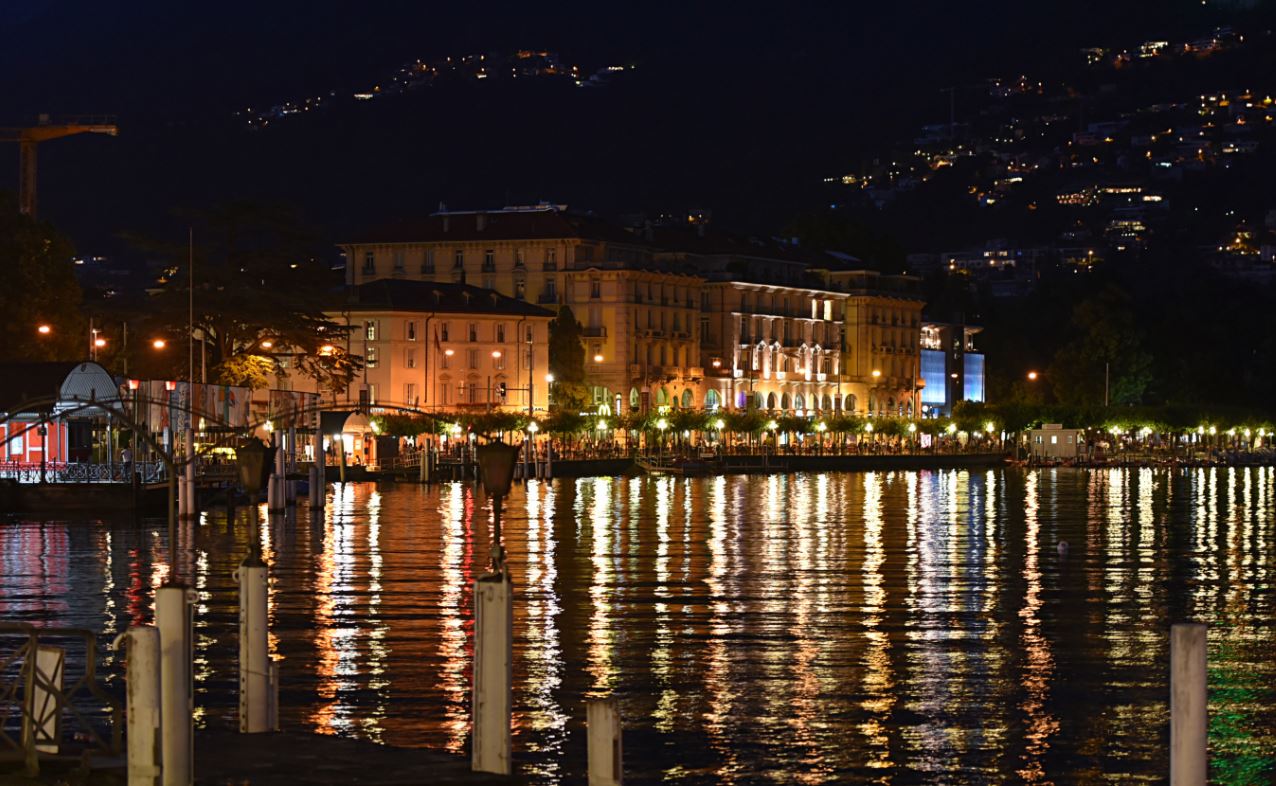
(974, 377)
(935, 393)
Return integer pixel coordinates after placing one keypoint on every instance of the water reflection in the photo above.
(875, 627)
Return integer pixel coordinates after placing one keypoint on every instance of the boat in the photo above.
(677, 466)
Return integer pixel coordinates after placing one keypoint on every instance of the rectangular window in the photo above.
(551, 259)
(520, 289)
(473, 357)
(519, 258)
(498, 362)
(473, 334)
(398, 261)
(500, 332)
(527, 358)
(828, 310)
(409, 358)
(443, 331)
(409, 393)
(370, 329)
(531, 334)
(427, 262)
(551, 290)
(458, 259)
(372, 393)
(371, 360)
(595, 289)
(445, 359)
(411, 330)
(489, 261)
(369, 262)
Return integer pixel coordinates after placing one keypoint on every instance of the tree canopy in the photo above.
(40, 289)
(260, 297)
(567, 360)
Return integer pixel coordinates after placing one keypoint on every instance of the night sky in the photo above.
(736, 107)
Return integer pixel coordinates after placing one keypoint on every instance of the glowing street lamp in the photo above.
(548, 377)
(267, 344)
(99, 342)
(1032, 376)
(159, 343)
(44, 330)
(720, 424)
(877, 373)
(327, 350)
(598, 358)
(496, 354)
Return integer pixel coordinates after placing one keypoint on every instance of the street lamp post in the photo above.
(493, 627)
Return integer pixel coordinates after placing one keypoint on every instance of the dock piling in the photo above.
(602, 719)
(1189, 759)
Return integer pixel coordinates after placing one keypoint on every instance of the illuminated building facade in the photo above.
(952, 369)
(448, 346)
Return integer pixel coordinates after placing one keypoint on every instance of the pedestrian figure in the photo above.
(1063, 549)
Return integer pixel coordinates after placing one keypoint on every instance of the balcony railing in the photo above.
(594, 332)
(546, 298)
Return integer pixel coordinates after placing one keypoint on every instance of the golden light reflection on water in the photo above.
(842, 628)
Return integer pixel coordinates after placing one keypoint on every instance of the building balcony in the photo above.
(547, 298)
(593, 331)
(695, 372)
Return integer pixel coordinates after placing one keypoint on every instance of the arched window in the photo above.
(634, 399)
(850, 403)
(770, 401)
(799, 401)
(662, 397)
(711, 400)
(688, 399)
(827, 405)
(785, 402)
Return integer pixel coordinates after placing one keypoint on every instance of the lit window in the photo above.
(372, 357)
(409, 358)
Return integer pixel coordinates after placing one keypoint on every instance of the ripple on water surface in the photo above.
(898, 627)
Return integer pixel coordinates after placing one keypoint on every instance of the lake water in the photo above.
(902, 627)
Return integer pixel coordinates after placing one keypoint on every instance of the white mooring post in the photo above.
(493, 662)
(255, 673)
(143, 708)
(316, 468)
(290, 468)
(177, 701)
(602, 719)
(1189, 758)
(276, 501)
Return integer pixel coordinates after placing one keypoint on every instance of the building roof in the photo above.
(392, 294)
(49, 382)
(510, 224)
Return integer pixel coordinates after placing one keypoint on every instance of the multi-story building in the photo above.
(434, 345)
(773, 347)
(639, 314)
(880, 358)
(952, 369)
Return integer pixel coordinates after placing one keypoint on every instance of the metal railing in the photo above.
(38, 704)
(80, 472)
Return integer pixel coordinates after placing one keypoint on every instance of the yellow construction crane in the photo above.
(45, 129)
